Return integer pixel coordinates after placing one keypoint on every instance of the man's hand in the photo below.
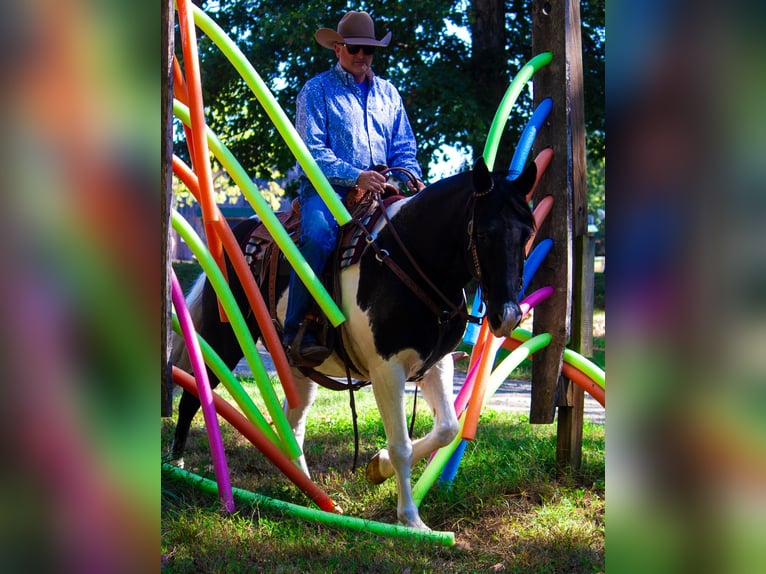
(371, 181)
(416, 187)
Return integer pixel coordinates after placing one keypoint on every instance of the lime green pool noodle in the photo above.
(441, 458)
(434, 469)
(506, 105)
(275, 112)
(588, 367)
(513, 360)
(591, 369)
(263, 209)
(315, 515)
(230, 382)
(238, 324)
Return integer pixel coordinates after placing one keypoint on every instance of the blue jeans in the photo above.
(319, 234)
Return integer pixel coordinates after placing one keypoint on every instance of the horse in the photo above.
(470, 226)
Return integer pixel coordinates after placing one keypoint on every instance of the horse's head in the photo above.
(502, 224)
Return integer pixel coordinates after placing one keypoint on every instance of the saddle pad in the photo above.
(351, 244)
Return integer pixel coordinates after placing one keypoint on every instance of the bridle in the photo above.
(382, 255)
(472, 249)
(476, 271)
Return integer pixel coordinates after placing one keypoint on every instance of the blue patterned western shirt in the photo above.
(346, 136)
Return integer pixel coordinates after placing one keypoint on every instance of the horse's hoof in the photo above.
(179, 462)
(373, 473)
(418, 524)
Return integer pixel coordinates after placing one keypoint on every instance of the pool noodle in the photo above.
(571, 357)
(233, 386)
(205, 395)
(542, 161)
(443, 455)
(479, 391)
(241, 331)
(480, 386)
(253, 293)
(567, 369)
(434, 469)
(449, 472)
(501, 372)
(462, 398)
(588, 367)
(528, 138)
(506, 105)
(478, 308)
(274, 226)
(275, 112)
(539, 214)
(257, 438)
(318, 516)
(201, 157)
(513, 360)
(533, 262)
(180, 93)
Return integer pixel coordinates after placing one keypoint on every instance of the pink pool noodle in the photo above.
(205, 396)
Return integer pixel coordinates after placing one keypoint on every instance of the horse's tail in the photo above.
(179, 356)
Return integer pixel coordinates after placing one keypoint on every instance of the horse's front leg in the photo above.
(436, 387)
(388, 387)
(307, 390)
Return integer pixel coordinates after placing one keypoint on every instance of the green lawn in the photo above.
(506, 506)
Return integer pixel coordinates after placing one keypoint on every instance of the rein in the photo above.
(441, 314)
(383, 256)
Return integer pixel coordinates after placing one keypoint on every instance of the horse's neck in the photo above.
(433, 226)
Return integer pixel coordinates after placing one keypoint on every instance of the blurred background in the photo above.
(686, 443)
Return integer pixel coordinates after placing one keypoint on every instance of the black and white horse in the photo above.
(473, 225)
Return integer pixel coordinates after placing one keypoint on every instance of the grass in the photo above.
(506, 506)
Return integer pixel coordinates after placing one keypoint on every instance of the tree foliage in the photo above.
(451, 87)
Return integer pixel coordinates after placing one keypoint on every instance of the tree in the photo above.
(451, 87)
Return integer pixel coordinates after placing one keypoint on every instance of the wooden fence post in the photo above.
(166, 185)
(556, 28)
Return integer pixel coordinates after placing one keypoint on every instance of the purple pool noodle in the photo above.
(205, 396)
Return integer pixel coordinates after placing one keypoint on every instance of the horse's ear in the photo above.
(482, 179)
(526, 180)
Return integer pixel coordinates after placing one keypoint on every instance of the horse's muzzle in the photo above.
(505, 320)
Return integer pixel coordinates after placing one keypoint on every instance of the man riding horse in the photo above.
(351, 120)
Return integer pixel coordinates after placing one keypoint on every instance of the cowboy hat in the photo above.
(355, 28)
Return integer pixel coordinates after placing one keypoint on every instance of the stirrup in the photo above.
(310, 355)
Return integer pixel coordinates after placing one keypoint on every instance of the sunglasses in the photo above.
(368, 50)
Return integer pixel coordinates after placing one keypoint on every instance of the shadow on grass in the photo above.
(506, 506)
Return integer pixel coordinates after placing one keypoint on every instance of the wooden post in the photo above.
(556, 28)
(571, 403)
(166, 408)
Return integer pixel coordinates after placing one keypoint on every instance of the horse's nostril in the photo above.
(511, 314)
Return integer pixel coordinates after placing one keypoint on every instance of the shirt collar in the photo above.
(347, 78)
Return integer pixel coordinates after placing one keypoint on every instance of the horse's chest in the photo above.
(398, 321)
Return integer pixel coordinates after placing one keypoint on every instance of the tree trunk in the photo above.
(489, 70)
